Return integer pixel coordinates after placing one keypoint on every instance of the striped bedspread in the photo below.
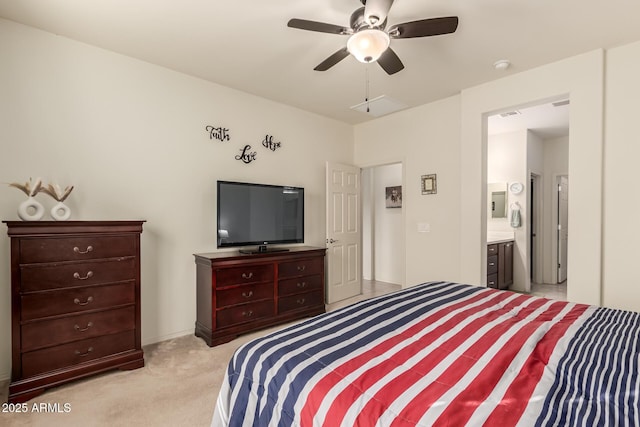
(441, 354)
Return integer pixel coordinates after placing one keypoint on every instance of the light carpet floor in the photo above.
(178, 386)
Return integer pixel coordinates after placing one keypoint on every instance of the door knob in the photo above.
(332, 241)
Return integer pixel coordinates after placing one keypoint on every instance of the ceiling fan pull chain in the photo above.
(366, 90)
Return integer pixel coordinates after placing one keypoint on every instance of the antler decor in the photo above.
(29, 188)
(56, 192)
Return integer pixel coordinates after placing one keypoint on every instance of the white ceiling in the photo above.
(548, 120)
(247, 45)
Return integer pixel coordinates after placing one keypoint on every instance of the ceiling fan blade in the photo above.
(424, 28)
(320, 27)
(390, 62)
(332, 60)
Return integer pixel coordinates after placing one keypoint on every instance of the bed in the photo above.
(441, 354)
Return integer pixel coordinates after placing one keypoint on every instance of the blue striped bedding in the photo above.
(441, 354)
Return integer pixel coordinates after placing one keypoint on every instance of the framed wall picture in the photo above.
(393, 197)
(429, 184)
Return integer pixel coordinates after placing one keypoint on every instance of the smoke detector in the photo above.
(502, 64)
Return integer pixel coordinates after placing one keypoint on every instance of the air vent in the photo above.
(510, 113)
(560, 103)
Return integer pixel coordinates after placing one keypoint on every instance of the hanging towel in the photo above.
(515, 217)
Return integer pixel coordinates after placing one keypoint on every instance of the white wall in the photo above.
(388, 248)
(556, 163)
(535, 166)
(426, 140)
(131, 137)
(449, 137)
(621, 202)
(507, 163)
(512, 157)
(582, 78)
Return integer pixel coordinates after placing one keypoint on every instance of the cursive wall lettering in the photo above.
(269, 143)
(219, 133)
(246, 155)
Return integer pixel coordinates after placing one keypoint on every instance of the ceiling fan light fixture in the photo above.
(368, 45)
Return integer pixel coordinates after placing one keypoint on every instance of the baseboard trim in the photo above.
(154, 340)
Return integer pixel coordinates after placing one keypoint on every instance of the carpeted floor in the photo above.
(178, 386)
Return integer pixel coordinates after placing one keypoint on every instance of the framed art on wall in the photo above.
(429, 184)
(393, 197)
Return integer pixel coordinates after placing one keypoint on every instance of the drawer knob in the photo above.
(79, 329)
(300, 301)
(302, 284)
(302, 268)
(79, 251)
(247, 294)
(78, 302)
(247, 276)
(79, 277)
(86, 353)
(491, 264)
(247, 313)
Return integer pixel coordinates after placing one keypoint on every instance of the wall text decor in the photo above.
(219, 133)
(269, 143)
(246, 155)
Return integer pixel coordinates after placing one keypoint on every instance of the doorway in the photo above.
(563, 228)
(530, 144)
(383, 229)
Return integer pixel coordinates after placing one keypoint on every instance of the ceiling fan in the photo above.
(369, 39)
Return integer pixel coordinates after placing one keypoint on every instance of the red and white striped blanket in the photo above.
(441, 354)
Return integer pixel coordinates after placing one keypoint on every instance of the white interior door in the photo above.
(344, 232)
(563, 227)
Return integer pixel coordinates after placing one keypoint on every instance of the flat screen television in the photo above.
(259, 214)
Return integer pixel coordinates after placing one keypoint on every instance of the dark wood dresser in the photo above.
(75, 301)
(239, 293)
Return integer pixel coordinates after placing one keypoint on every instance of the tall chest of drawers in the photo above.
(75, 301)
(239, 293)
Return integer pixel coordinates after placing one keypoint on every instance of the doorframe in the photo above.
(539, 267)
(536, 224)
(555, 220)
(405, 195)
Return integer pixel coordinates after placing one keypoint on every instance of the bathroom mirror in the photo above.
(497, 200)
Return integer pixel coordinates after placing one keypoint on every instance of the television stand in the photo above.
(238, 294)
(262, 249)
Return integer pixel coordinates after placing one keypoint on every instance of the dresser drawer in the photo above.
(67, 301)
(48, 333)
(242, 275)
(244, 313)
(492, 250)
(492, 281)
(65, 275)
(301, 267)
(492, 264)
(300, 301)
(62, 356)
(76, 248)
(244, 294)
(299, 284)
